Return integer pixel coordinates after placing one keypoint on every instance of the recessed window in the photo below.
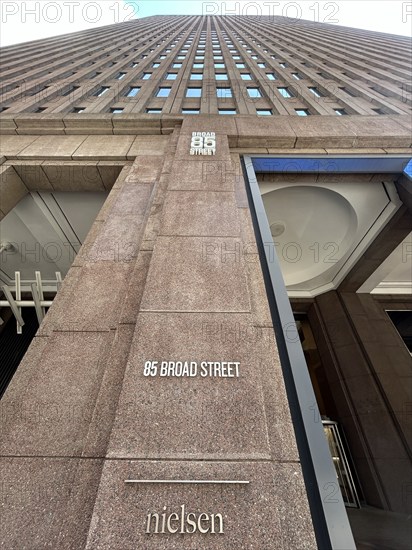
(194, 92)
(198, 65)
(245, 76)
(70, 90)
(181, 57)
(134, 64)
(236, 57)
(120, 76)
(162, 57)
(224, 93)
(221, 76)
(196, 76)
(379, 111)
(79, 110)
(134, 90)
(227, 112)
(380, 91)
(254, 92)
(262, 65)
(264, 112)
(171, 76)
(218, 57)
(199, 57)
(177, 65)
(240, 65)
(340, 112)
(316, 92)
(40, 109)
(190, 111)
(153, 111)
(116, 110)
(297, 76)
(146, 76)
(101, 91)
(155, 65)
(349, 92)
(302, 112)
(254, 56)
(163, 92)
(283, 65)
(271, 76)
(285, 92)
(219, 65)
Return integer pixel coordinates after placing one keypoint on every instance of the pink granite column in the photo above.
(57, 413)
(222, 414)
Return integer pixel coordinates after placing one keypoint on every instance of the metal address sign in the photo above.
(203, 143)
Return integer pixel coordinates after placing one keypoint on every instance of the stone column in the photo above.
(364, 393)
(202, 399)
(57, 413)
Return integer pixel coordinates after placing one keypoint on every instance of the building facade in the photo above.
(210, 220)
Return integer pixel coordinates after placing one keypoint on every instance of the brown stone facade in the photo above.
(170, 272)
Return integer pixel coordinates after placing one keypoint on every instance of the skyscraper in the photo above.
(217, 211)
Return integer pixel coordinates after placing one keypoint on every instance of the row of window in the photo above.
(259, 112)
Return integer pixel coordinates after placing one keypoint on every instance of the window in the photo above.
(171, 76)
(116, 110)
(177, 65)
(181, 57)
(297, 76)
(134, 90)
(271, 76)
(162, 57)
(246, 76)
(236, 57)
(198, 65)
(240, 65)
(302, 112)
(223, 93)
(196, 76)
(254, 92)
(78, 110)
(120, 76)
(349, 92)
(380, 91)
(146, 76)
(283, 65)
(316, 92)
(379, 111)
(227, 112)
(262, 65)
(199, 57)
(101, 91)
(134, 64)
(264, 112)
(285, 92)
(40, 109)
(69, 90)
(218, 58)
(340, 112)
(153, 111)
(190, 111)
(163, 92)
(194, 92)
(219, 65)
(221, 76)
(155, 65)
